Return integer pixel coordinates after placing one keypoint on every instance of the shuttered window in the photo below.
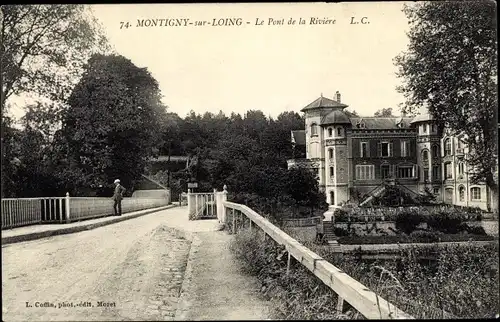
(365, 172)
(385, 149)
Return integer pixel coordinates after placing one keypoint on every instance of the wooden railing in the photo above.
(366, 302)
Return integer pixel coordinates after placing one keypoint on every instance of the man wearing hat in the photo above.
(117, 197)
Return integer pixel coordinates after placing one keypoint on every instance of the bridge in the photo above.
(159, 261)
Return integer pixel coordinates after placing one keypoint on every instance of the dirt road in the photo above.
(132, 270)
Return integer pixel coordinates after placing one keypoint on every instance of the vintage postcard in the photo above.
(246, 161)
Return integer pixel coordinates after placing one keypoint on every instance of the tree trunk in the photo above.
(494, 198)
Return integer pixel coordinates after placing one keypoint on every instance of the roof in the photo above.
(323, 102)
(335, 117)
(299, 137)
(381, 122)
(423, 117)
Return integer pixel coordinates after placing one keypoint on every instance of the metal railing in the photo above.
(17, 212)
(302, 222)
(365, 301)
(201, 203)
(82, 208)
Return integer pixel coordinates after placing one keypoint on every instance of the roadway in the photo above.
(135, 268)
(157, 267)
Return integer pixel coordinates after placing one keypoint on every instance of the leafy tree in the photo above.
(302, 185)
(44, 48)
(114, 122)
(10, 161)
(385, 112)
(451, 68)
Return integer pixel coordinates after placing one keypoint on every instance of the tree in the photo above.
(385, 112)
(450, 68)
(302, 185)
(114, 122)
(44, 48)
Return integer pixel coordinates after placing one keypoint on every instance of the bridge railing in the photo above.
(365, 301)
(17, 212)
(82, 208)
(202, 204)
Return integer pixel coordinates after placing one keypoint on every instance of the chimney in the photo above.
(337, 96)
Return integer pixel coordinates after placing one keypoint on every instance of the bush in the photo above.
(461, 280)
(340, 232)
(407, 222)
(475, 230)
(340, 215)
(446, 221)
(300, 295)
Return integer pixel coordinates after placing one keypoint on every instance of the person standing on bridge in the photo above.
(117, 197)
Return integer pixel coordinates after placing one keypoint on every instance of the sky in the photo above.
(274, 68)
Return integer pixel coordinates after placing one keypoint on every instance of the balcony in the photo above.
(298, 163)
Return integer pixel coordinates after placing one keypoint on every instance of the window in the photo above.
(364, 149)
(461, 193)
(339, 131)
(332, 198)
(447, 147)
(330, 154)
(405, 172)
(435, 191)
(448, 195)
(460, 146)
(330, 131)
(435, 151)
(448, 171)
(365, 172)
(435, 172)
(385, 149)
(315, 171)
(424, 128)
(331, 172)
(385, 171)
(461, 168)
(425, 157)
(434, 128)
(426, 174)
(475, 193)
(405, 151)
(314, 129)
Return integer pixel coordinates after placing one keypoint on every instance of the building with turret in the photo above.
(356, 157)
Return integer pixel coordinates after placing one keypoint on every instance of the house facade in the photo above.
(356, 156)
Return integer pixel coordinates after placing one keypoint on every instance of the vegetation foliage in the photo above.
(431, 283)
(450, 67)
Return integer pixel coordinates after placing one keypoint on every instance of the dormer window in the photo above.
(360, 125)
(314, 129)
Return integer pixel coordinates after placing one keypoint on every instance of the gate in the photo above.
(202, 205)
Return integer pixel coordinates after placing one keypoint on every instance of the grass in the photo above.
(461, 282)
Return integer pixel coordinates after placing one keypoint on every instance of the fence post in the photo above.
(234, 220)
(288, 263)
(340, 304)
(224, 198)
(68, 212)
(189, 201)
